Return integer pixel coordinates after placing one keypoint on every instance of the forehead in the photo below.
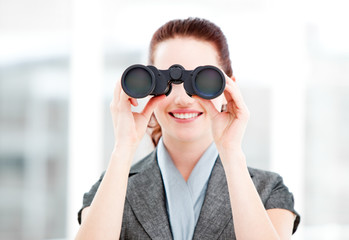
(188, 52)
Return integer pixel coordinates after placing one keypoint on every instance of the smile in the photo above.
(185, 115)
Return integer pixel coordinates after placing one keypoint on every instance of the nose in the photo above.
(180, 97)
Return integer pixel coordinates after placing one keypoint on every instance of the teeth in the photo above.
(185, 115)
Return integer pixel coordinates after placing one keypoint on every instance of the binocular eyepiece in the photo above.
(139, 81)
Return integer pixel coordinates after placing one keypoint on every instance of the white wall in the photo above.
(295, 53)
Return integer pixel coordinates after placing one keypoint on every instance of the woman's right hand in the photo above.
(104, 218)
(130, 127)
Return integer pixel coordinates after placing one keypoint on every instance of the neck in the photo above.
(185, 154)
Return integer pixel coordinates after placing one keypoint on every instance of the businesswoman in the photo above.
(195, 184)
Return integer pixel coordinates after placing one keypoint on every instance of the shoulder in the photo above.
(263, 177)
(266, 182)
(144, 164)
(273, 192)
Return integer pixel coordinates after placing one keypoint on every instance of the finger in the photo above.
(133, 101)
(208, 106)
(116, 93)
(125, 102)
(151, 105)
(233, 94)
(116, 97)
(236, 105)
(231, 106)
(230, 81)
(232, 102)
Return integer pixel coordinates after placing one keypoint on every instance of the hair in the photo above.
(197, 28)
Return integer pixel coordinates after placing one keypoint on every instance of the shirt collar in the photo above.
(202, 169)
(184, 199)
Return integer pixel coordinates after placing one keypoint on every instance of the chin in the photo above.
(188, 136)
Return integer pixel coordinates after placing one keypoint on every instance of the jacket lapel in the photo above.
(147, 198)
(216, 211)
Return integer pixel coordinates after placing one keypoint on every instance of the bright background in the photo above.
(60, 59)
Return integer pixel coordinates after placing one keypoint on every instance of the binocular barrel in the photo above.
(139, 81)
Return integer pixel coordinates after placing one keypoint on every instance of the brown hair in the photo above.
(200, 29)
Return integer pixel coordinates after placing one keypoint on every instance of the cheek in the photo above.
(159, 111)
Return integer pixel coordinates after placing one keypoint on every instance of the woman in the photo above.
(195, 184)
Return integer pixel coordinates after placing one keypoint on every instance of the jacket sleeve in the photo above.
(88, 196)
(281, 197)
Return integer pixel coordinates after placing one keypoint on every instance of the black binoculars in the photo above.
(139, 81)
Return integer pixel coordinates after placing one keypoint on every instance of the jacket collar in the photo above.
(147, 198)
(216, 211)
(146, 195)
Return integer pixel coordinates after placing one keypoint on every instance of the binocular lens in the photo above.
(138, 82)
(209, 82)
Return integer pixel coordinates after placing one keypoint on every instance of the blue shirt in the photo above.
(184, 199)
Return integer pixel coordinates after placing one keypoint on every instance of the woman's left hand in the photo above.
(228, 127)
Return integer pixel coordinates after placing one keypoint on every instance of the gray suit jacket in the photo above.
(145, 215)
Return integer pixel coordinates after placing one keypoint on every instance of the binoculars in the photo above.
(139, 81)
